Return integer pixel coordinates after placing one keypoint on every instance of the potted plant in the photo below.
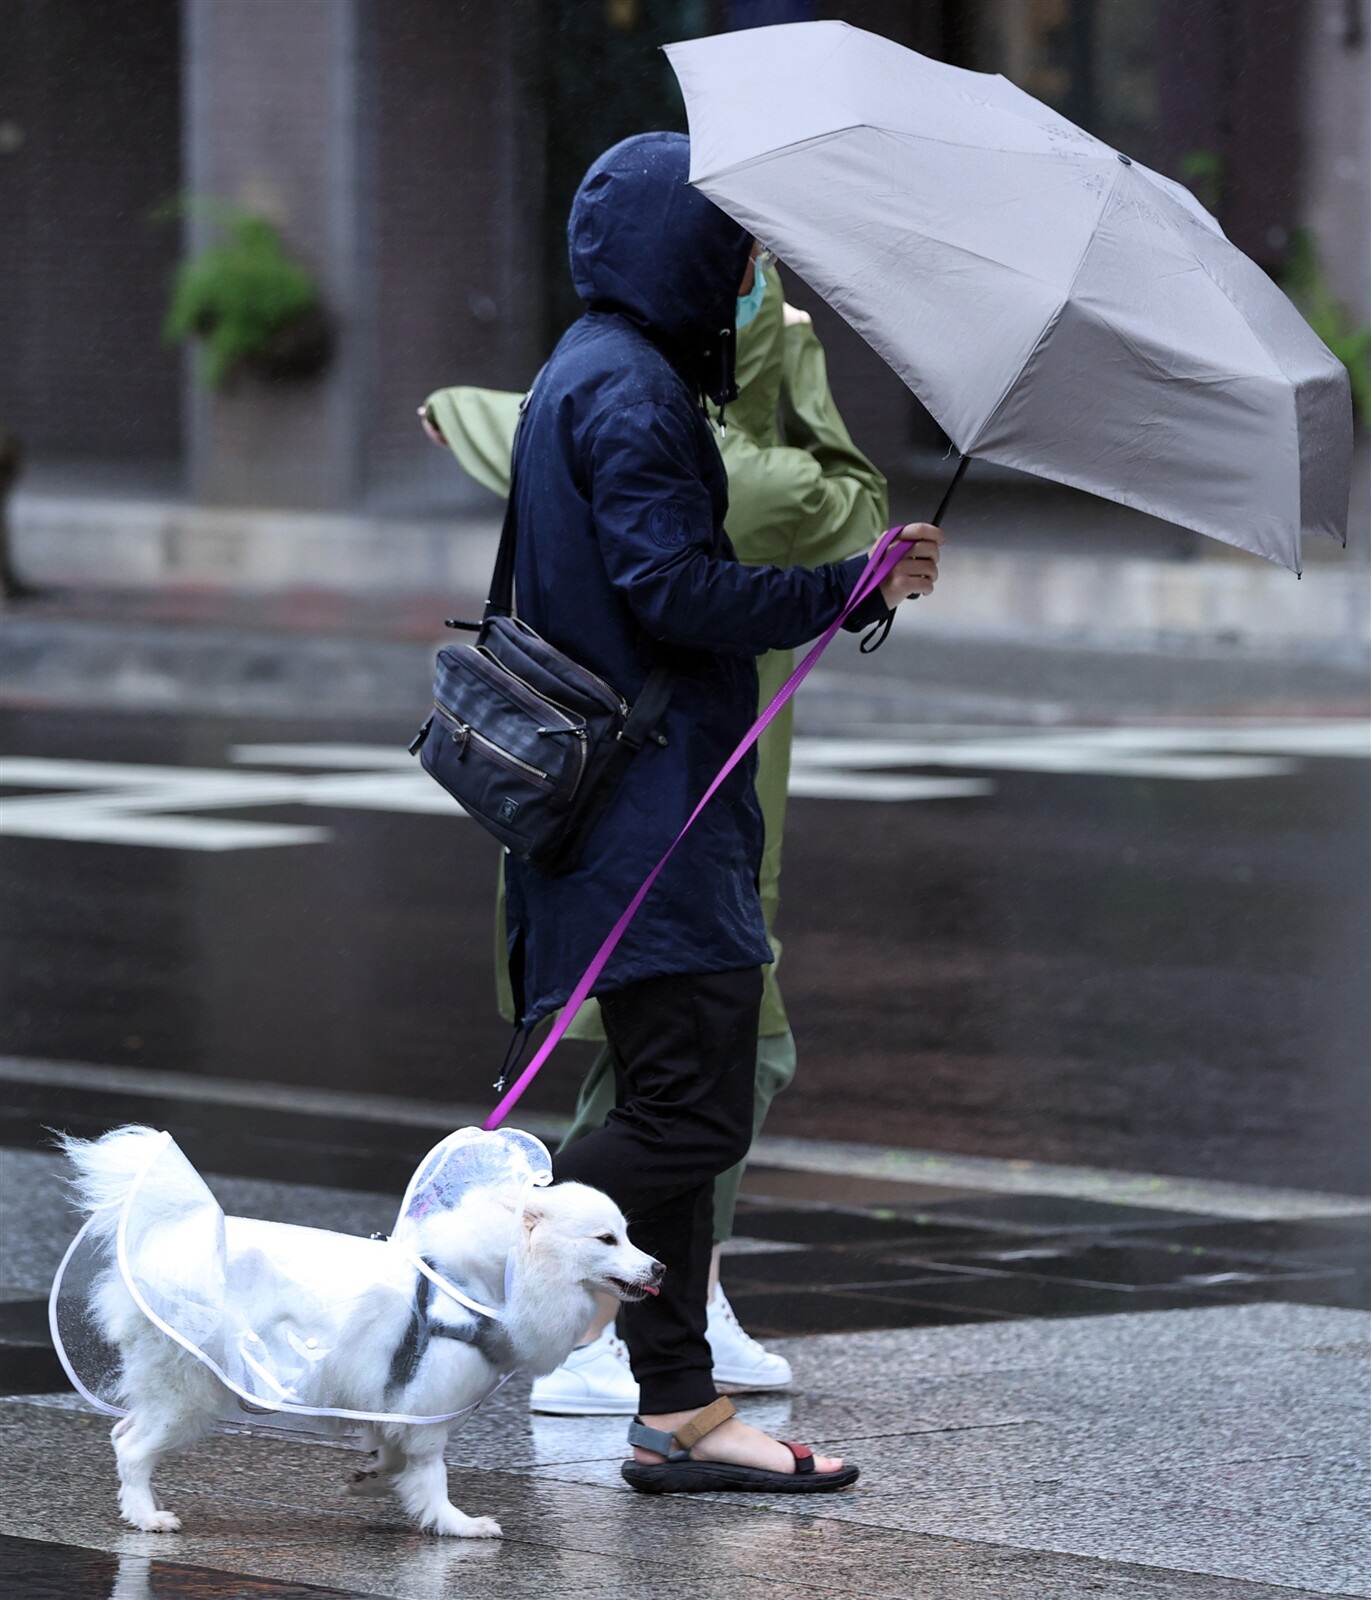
(250, 305)
(1306, 285)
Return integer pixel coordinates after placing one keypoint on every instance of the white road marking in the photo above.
(818, 784)
(85, 820)
(1030, 754)
(125, 803)
(349, 757)
(135, 803)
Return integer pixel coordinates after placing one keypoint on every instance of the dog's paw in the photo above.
(369, 1482)
(158, 1522)
(457, 1525)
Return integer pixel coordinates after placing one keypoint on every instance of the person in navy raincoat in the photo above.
(622, 562)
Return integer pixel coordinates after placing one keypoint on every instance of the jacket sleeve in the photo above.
(655, 525)
(784, 509)
(479, 425)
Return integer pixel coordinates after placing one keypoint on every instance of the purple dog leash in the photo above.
(882, 562)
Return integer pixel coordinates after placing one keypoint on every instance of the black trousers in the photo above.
(685, 1056)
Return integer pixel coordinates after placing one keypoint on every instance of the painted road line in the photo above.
(839, 785)
(990, 1174)
(133, 804)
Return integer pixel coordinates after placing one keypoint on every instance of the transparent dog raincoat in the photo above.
(262, 1304)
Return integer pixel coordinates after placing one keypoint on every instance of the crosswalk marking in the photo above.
(134, 803)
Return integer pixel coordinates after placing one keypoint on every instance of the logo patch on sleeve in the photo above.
(669, 525)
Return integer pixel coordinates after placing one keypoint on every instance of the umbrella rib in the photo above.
(772, 154)
(769, 155)
(1052, 321)
(1201, 266)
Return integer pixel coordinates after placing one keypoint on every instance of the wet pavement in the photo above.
(813, 1252)
(1059, 1225)
(1047, 1396)
(1139, 947)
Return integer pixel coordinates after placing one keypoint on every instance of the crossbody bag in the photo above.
(530, 743)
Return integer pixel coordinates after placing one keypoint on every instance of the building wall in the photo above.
(1336, 111)
(90, 103)
(277, 121)
(451, 190)
(1229, 80)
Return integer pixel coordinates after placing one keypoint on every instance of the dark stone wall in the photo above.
(449, 193)
(90, 96)
(1229, 84)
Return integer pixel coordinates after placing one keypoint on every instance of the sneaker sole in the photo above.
(750, 1385)
(583, 1408)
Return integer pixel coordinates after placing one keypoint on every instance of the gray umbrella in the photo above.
(1056, 306)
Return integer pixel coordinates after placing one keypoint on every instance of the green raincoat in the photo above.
(800, 493)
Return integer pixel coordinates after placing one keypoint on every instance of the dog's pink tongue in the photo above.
(651, 1288)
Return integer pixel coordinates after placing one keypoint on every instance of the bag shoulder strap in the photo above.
(500, 600)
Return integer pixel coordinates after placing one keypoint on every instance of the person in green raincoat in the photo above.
(800, 493)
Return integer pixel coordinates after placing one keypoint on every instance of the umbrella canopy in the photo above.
(1055, 305)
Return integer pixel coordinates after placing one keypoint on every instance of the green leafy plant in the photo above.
(1304, 282)
(248, 302)
(1204, 173)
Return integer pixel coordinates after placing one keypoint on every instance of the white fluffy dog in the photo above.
(399, 1352)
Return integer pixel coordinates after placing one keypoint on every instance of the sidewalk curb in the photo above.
(1231, 602)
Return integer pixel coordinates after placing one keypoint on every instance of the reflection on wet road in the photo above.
(1135, 947)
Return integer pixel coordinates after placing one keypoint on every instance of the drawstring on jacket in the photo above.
(725, 380)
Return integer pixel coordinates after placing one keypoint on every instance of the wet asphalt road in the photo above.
(1105, 968)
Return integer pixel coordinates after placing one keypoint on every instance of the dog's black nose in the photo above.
(658, 1272)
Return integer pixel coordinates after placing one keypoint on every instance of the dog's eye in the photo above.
(606, 1238)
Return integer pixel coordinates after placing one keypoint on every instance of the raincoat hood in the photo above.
(646, 244)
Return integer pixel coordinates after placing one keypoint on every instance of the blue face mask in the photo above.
(750, 304)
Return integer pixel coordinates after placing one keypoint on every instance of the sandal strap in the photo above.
(804, 1456)
(677, 1446)
(655, 1439)
(714, 1415)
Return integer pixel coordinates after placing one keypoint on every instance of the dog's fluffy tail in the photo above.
(104, 1170)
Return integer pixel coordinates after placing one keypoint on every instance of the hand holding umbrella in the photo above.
(917, 569)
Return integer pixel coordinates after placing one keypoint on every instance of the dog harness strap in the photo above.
(883, 561)
(435, 1277)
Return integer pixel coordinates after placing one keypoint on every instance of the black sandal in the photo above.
(680, 1473)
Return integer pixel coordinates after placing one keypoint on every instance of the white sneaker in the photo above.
(595, 1380)
(739, 1360)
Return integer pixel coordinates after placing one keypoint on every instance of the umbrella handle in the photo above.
(963, 463)
(877, 635)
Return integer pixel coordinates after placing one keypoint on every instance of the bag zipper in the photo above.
(536, 696)
(576, 722)
(496, 752)
(598, 681)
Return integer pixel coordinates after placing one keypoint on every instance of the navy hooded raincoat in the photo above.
(622, 562)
